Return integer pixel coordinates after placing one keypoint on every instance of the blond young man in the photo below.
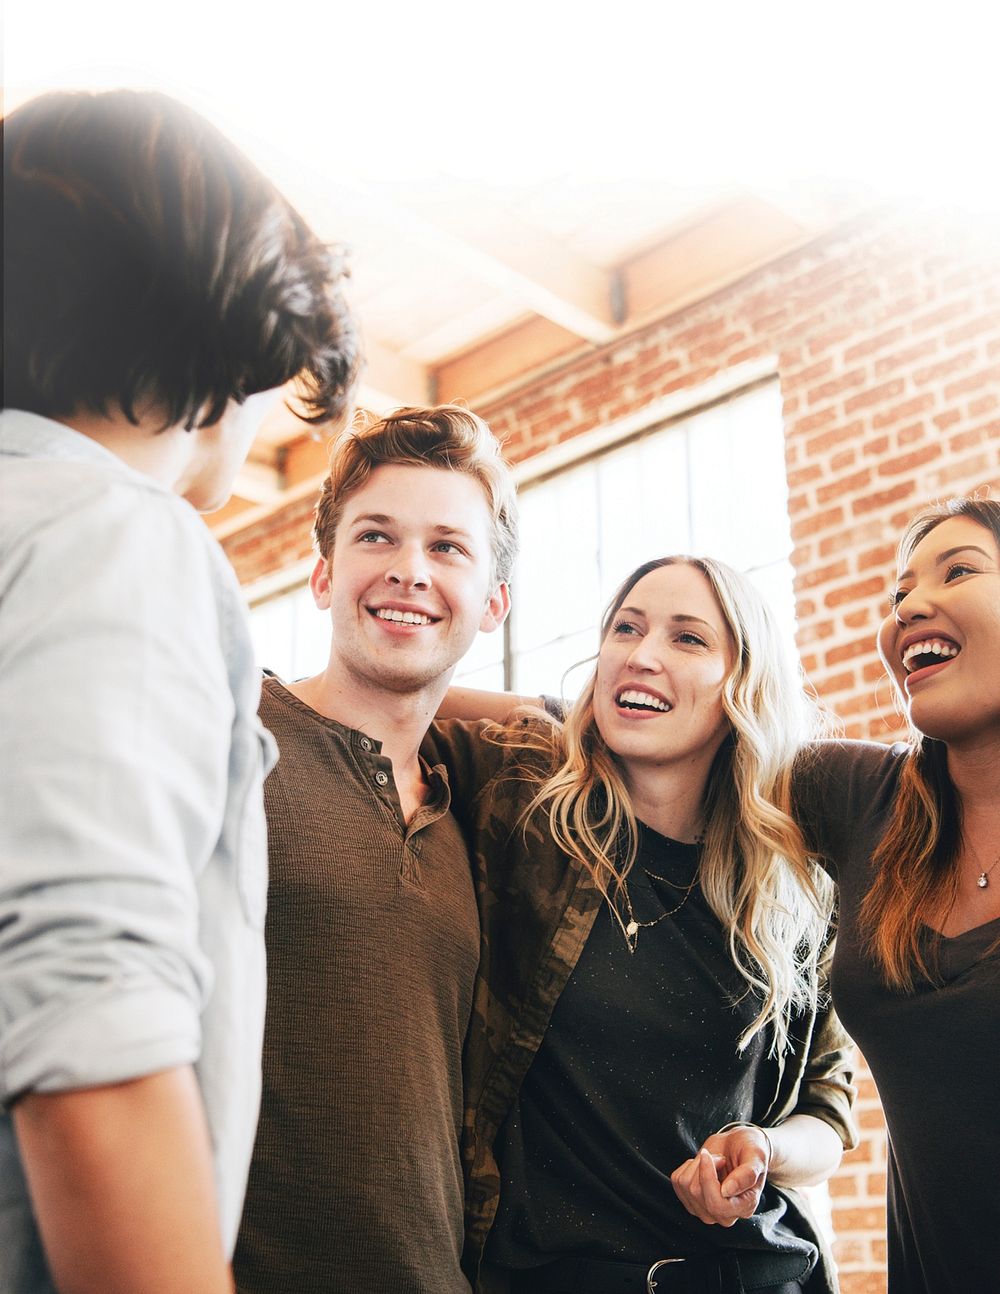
(373, 930)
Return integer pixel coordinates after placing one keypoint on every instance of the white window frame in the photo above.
(654, 418)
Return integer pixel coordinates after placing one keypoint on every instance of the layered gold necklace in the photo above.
(634, 925)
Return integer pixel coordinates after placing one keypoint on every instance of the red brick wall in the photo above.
(270, 546)
(886, 341)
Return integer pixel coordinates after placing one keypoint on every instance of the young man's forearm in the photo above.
(476, 703)
(122, 1188)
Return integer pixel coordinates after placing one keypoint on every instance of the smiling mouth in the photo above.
(930, 651)
(402, 617)
(630, 699)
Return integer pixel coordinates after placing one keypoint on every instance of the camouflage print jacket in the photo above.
(537, 909)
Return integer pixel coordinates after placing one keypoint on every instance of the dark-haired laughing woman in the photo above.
(913, 837)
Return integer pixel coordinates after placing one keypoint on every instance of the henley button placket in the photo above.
(381, 778)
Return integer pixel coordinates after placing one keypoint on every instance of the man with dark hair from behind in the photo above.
(159, 292)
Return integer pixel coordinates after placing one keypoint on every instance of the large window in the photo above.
(711, 481)
(289, 635)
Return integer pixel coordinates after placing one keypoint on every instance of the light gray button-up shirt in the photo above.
(132, 844)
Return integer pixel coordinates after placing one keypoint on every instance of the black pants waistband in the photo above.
(720, 1274)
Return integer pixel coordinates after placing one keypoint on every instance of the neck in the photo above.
(163, 454)
(973, 771)
(399, 720)
(668, 800)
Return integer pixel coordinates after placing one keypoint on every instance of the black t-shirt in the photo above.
(934, 1053)
(638, 1066)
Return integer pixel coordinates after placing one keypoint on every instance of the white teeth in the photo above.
(403, 617)
(642, 698)
(928, 647)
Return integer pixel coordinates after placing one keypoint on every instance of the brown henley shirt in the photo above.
(372, 944)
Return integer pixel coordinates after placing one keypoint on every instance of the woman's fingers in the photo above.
(698, 1188)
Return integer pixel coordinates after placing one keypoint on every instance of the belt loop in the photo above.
(662, 1262)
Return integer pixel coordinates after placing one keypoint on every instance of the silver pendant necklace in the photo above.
(983, 879)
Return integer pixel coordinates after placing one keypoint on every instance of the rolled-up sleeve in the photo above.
(827, 1091)
(115, 723)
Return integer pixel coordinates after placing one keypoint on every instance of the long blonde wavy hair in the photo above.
(773, 902)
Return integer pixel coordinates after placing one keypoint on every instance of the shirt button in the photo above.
(381, 778)
(366, 743)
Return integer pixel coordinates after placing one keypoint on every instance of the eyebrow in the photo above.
(383, 519)
(946, 556)
(680, 619)
(372, 518)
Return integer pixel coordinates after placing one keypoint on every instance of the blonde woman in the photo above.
(652, 1068)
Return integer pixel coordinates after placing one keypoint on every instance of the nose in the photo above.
(409, 568)
(643, 656)
(914, 605)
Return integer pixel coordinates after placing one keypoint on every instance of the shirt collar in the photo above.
(30, 435)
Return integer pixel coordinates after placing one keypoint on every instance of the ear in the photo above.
(319, 582)
(497, 609)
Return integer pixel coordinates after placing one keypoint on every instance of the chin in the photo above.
(214, 504)
(208, 498)
(623, 745)
(407, 681)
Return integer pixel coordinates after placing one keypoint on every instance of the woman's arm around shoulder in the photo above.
(477, 735)
(834, 783)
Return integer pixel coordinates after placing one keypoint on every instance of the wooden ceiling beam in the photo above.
(723, 245)
(508, 357)
(530, 265)
(389, 379)
(489, 243)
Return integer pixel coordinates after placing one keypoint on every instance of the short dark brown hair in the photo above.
(148, 264)
(445, 436)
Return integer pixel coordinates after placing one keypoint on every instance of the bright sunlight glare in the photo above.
(881, 97)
